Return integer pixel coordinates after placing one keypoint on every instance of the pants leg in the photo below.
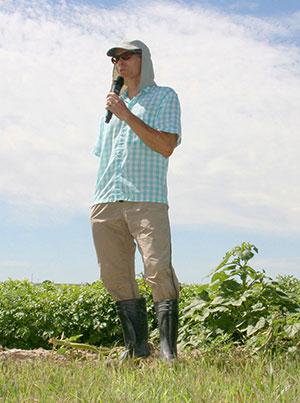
(149, 224)
(115, 249)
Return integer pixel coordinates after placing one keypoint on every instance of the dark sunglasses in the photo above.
(125, 56)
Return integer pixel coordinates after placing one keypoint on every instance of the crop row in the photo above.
(240, 306)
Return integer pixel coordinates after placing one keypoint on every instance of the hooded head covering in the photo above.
(147, 72)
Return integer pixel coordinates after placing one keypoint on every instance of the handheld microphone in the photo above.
(116, 88)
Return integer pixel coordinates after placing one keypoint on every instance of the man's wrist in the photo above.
(130, 118)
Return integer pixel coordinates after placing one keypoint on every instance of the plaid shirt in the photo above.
(129, 169)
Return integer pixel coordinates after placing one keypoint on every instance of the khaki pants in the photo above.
(117, 228)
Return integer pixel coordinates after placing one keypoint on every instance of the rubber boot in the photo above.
(167, 316)
(133, 317)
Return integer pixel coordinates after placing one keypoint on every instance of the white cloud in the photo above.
(239, 90)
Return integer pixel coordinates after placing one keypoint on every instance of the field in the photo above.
(239, 341)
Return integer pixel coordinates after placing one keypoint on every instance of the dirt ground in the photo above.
(18, 354)
(40, 353)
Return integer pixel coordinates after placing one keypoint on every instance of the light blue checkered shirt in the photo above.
(129, 169)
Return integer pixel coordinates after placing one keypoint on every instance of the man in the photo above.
(130, 204)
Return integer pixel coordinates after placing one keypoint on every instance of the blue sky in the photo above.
(235, 66)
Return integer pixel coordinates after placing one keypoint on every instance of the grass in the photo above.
(220, 377)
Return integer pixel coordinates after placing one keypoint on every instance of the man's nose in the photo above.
(120, 62)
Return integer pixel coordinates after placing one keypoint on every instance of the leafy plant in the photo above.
(239, 304)
(32, 314)
(290, 285)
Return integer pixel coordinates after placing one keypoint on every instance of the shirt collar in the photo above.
(124, 95)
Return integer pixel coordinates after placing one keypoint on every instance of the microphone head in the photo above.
(119, 81)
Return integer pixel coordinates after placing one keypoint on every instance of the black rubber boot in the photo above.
(167, 316)
(133, 317)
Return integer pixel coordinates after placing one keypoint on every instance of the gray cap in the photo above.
(126, 45)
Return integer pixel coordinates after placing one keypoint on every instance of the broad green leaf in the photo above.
(239, 302)
(258, 307)
(232, 267)
(251, 329)
(222, 264)
(204, 296)
(231, 285)
(220, 308)
(219, 277)
(218, 301)
(260, 323)
(253, 293)
(246, 255)
(251, 272)
(292, 330)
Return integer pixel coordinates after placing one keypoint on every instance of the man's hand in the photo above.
(161, 142)
(116, 105)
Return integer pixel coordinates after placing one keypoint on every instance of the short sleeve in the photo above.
(169, 115)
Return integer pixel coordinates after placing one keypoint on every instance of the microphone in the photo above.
(116, 88)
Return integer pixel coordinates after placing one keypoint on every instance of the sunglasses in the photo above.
(125, 56)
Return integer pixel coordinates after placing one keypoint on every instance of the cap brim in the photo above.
(128, 46)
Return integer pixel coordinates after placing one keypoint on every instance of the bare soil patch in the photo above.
(40, 353)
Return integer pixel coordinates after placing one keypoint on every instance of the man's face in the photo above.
(129, 69)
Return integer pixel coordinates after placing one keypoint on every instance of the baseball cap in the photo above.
(126, 45)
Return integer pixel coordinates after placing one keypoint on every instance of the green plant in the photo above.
(239, 305)
(32, 314)
(290, 285)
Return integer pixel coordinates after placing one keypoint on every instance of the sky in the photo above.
(235, 178)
